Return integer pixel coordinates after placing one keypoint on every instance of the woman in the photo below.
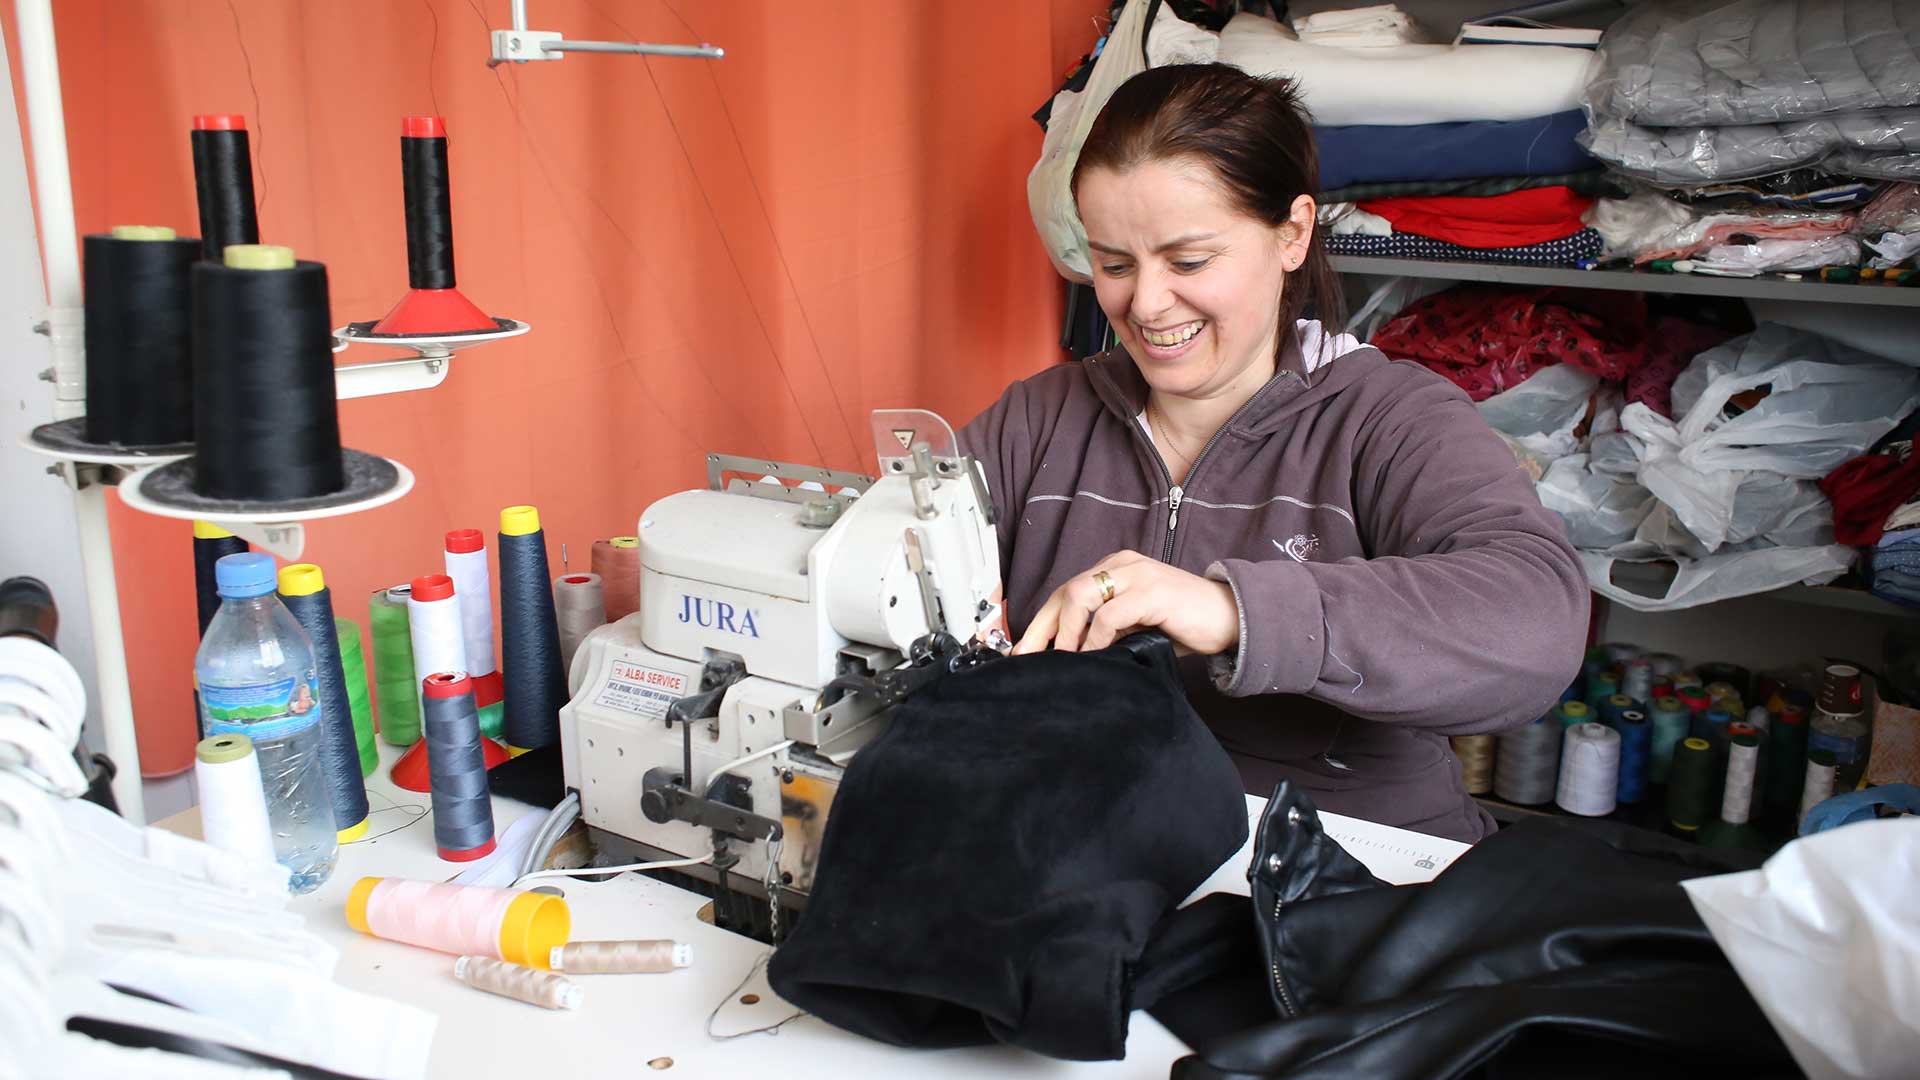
(1351, 555)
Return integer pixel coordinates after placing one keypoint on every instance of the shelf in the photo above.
(1651, 579)
(1761, 288)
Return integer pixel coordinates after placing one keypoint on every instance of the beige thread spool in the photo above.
(1476, 762)
(621, 957)
(531, 985)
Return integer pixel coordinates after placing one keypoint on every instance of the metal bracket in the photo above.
(679, 804)
(741, 475)
(519, 45)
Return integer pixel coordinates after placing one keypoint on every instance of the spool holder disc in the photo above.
(278, 527)
(426, 369)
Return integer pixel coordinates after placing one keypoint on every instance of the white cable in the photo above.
(668, 864)
(749, 759)
(596, 871)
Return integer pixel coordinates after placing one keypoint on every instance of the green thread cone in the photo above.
(354, 663)
(396, 690)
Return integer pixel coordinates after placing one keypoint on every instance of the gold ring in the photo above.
(1105, 581)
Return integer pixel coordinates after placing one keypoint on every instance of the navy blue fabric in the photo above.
(1585, 244)
(1366, 153)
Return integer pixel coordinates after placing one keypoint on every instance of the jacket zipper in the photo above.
(1176, 492)
(1279, 985)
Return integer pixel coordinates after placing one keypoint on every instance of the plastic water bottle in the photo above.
(255, 668)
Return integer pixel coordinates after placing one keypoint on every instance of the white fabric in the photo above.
(1768, 256)
(1347, 219)
(1410, 84)
(1173, 40)
(1824, 937)
(1371, 27)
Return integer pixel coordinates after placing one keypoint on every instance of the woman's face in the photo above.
(1191, 284)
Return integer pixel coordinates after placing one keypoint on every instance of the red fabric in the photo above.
(1530, 216)
(1867, 489)
(1487, 338)
(1672, 343)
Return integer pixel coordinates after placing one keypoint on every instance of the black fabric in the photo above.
(998, 859)
(1551, 948)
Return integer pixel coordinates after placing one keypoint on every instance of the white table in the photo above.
(627, 1021)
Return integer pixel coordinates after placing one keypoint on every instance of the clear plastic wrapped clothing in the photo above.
(1879, 145)
(1713, 63)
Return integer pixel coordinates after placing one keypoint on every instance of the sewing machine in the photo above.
(783, 611)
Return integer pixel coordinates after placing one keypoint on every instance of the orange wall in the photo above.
(741, 256)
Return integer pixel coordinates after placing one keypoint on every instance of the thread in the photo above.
(1690, 785)
(462, 805)
(617, 561)
(578, 608)
(466, 562)
(1712, 726)
(233, 800)
(536, 684)
(1787, 760)
(1589, 771)
(1726, 696)
(211, 543)
(1671, 721)
(1636, 681)
(1476, 762)
(1570, 713)
(1528, 763)
(1600, 687)
(1743, 765)
(1684, 679)
(1613, 707)
(304, 591)
(542, 988)
(354, 664)
(1664, 664)
(621, 957)
(1636, 755)
(139, 338)
(505, 924)
(223, 181)
(396, 692)
(429, 206)
(435, 627)
(1735, 677)
(1620, 652)
(1818, 787)
(266, 422)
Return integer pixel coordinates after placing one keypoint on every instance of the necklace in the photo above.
(1160, 427)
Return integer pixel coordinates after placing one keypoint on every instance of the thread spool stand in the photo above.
(426, 369)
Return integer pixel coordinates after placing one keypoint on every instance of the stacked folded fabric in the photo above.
(1705, 91)
(1771, 134)
(1455, 152)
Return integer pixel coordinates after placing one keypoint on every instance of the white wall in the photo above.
(38, 532)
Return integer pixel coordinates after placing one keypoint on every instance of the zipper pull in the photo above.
(1173, 507)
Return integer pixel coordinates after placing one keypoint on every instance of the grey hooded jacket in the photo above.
(1398, 581)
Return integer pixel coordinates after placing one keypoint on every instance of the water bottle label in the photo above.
(268, 710)
(1844, 748)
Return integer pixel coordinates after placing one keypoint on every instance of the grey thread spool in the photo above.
(456, 768)
(1528, 763)
(620, 957)
(1590, 771)
(535, 987)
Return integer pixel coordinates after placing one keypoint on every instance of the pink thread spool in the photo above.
(506, 924)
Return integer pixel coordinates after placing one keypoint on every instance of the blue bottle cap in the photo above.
(249, 573)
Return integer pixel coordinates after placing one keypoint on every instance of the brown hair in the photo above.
(1252, 133)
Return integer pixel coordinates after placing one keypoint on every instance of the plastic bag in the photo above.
(1721, 576)
(1050, 184)
(1543, 412)
(1824, 937)
(1824, 404)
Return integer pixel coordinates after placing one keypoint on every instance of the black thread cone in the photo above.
(530, 646)
(340, 751)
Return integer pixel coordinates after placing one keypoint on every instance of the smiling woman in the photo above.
(1349, 553)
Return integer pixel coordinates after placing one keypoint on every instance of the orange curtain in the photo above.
(744, 256)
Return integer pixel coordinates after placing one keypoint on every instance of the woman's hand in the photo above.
(1082, 616)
